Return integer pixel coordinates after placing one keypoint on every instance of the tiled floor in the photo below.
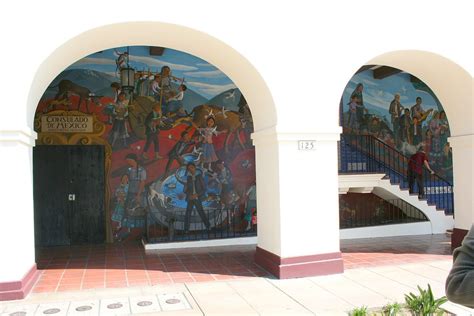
(128, 265)
(372, 252)
(116, 266)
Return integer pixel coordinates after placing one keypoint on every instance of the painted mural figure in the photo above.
(175, 103)
(246, 116)
(209, 153)
(109, 109)
(360, 109)
(405, 126)
(225, 180)
(134, 206)
(119, 125)
(142, 87)
(418, 117)
(118, 216)
(353, 123)
(178, 150)
(152, 130)
(195, 191)
(162, 89)
(121, 60)
(250, 205)
(395, 111)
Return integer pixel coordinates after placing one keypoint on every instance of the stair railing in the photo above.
(368, 154)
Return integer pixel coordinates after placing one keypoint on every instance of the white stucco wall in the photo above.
(297, 59)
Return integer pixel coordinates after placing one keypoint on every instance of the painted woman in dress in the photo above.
(119, 210)
(207, 133)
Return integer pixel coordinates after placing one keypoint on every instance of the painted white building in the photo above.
(292, 62)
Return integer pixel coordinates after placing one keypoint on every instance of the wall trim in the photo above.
(201, 243)
(461, 141)
(24, 136)
(271, 133)
(302, 266)
(16, 290)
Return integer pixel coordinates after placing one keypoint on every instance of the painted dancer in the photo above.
(195, 191)
(178, 150)
(208, 132)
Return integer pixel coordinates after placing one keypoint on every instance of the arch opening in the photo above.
(96, 100)
(383, 124)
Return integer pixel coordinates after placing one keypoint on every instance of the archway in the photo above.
(239, 70)
(455, 94)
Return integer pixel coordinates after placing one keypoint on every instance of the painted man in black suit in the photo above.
(178, 150)
(194, 190)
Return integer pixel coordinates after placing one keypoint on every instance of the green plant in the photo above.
(392, 309)
(360, 311)
(424, 304)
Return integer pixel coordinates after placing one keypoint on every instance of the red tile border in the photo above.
(16, 290)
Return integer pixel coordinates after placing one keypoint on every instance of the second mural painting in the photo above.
(400, 110)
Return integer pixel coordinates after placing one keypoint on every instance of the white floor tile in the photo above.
(84, 308)
(29, 309)
(144, 304)
(56, 309)
(117, 306)
(173, 301)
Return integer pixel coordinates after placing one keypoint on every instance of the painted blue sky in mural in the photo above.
(378, 93)
(199, 75)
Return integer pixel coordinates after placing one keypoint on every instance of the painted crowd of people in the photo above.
(410, 128)
(130, 195)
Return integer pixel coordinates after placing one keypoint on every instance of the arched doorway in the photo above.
(455, 95)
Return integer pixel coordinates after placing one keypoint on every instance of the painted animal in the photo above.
(159, 196)
(231, 122)
(67, 87)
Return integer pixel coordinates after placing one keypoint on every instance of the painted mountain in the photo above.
(99, 83)
(228, 99)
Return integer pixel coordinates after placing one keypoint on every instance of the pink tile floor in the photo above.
(125, 265)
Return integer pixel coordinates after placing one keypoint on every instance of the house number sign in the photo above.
(306, 145)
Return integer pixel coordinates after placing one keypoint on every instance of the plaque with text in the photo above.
(67, 123)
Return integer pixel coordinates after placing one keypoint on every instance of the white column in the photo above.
(463, 172)
(297, 203)
(17, 244)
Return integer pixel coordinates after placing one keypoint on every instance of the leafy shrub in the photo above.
(392, 309)
(424, 304)
(360, 311)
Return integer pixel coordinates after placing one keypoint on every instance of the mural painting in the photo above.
(402, 111)
(177, 136)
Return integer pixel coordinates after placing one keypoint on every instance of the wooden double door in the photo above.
(69, 192)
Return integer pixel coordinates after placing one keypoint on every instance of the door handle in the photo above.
(72, 197)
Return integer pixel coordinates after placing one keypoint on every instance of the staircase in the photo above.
(366, 154)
